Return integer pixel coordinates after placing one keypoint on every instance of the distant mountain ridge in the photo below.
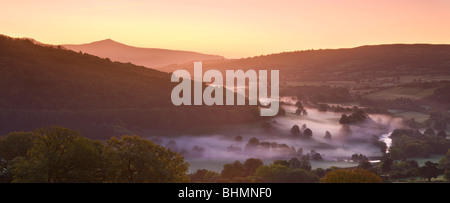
(148, 57)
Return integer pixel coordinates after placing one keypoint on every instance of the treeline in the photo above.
(282, 171)
(48, 85)
(59, 155)
(391, 170)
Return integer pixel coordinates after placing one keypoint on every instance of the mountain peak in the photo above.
(149, 57)
(105, 41)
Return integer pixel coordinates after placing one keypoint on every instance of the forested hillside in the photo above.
(48, 85)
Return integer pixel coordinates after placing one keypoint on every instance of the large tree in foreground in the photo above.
(59, 155)
(135, 159)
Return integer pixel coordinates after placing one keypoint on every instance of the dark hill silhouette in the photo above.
(148, 57)
(48, 85)
(344, 64)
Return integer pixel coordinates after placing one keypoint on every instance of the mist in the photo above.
(211, 150)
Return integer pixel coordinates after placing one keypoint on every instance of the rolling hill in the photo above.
(148, 57)
(48, 85)
(365, 62)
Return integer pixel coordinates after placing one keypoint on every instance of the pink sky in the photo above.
(230, 28)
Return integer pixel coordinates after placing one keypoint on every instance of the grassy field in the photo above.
(419, 117)
(401, 92)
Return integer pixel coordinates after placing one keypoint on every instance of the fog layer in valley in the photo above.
(274, 139)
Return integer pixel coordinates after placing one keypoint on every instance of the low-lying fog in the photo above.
(275, 141)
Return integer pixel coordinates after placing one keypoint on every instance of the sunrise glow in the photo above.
(230, 28)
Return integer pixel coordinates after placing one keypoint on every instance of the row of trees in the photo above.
(58, 154)
(406, 168)
(282, 171)
(255, 146)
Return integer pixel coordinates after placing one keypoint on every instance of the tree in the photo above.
(304, 163)
(386, 163)
(315, 155)
(299, 105)
(250, 166)
(354, 175)
(135, 159)
(344, 119)
(428, 171)
(252, 144)
(60, 155)
(447, 175)
(304, 127)
(365, 164)
(281, 162)
(294, 163)
(197, 176)
(295, 130)
(283, 174)
(413, 150)
(308, 132)
(444, 163)
(230, 171)
(238, 138)
(13, 145)
(300, 152)
(304, 112)
(429, 132)
(327, 135)
(211, 177)
(320, 172)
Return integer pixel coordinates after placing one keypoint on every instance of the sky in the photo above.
(231, 28)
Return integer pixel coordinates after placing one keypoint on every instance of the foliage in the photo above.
(447, 175)
(428, 171)
(295, 130)
(250, 166)
(235, 169)
(357, 116)
(283, 174)
(135, 159)
(57, 154)
(15, 144)
(408, 143)
(404, 169)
